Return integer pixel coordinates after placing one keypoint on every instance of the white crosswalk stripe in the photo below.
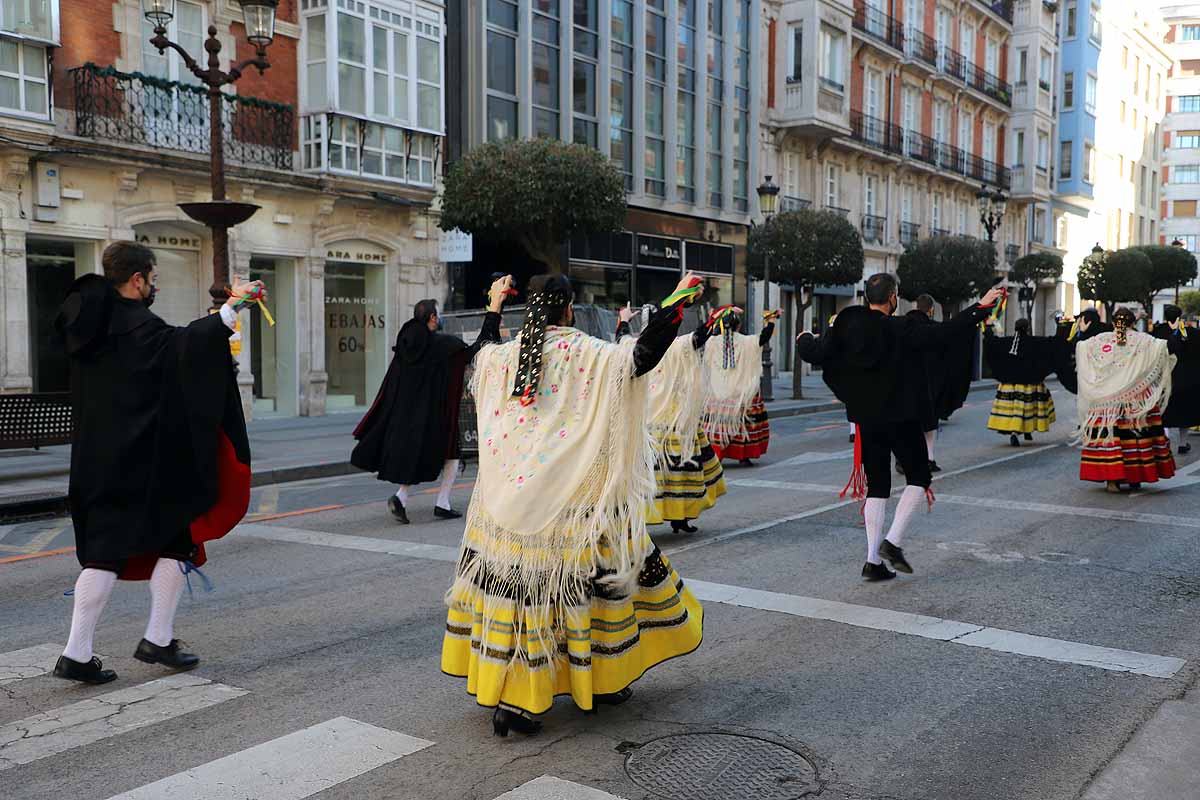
(291, 767)
(28, 663)
(52, 732)
(550, 788)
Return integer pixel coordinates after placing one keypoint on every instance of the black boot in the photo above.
(397, 509)
(895, 557)
(1029, 437)
(1014, 441)
(876, 572)
(613, 699)
(682, 526)
(168, 656)
(446, 513)
(504, 720)
(92, 672)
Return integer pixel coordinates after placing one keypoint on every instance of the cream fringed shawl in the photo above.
(1120, 382)
(558, 476)
(677, 392)
(731, 389)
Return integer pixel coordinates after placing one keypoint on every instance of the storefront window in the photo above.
(50, 270)
(182, 285)
(607, 287)
(655, 284)
(356, 346)
(273, 359)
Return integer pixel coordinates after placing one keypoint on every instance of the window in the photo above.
(991, 56)
(1039, 224)
(1122, 112)
(1183, 208)
(935, 212)
(1188, 68)
(1069, 20)
(544, 67)
(1124, 58)
(795, 53)
(621, 110)
(989, 141)
(1186, 173)
(1064, 160)
(906, 203)
(584, 120)
(1191, 33)
(1060, 232)
(941, 121)
(741, 98)
(1096, 29)
(166, 108)
(1146, 85)
(870, 194)
(1187, 139)
(656, 76)
(23, 86)
(714, 168)
(1089, 161)
(1089, 97)
(1137, 70)
(1189, 102)
(1154, 187)
(501, 70)
(833, 43)
(1190, 241)
(1022, 65)
(685, 105)
(1045, 67)
(832, 183)
(1019, 155)
(966, 128)
(1142, 185)
(1068, 91)
(966, 39)
(1043, 154)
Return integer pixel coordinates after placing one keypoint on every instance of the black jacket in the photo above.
(1036, 357)
(875, 363)
(1183, 411)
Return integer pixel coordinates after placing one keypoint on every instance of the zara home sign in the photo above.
(358, 252)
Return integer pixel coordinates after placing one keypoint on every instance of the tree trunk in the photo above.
(549, 253)
(797, 364)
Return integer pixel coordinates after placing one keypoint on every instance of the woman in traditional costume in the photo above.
(735, 419)
(1123, 379)
(559, 590)
(1020, 363)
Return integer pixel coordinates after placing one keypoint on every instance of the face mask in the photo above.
(148, 300)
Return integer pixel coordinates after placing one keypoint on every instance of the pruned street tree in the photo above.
(1170, 268)
(952, 269)
(536, 192)
(1113, 277)
(1030, 270)
(1189, 302)
(807, 248)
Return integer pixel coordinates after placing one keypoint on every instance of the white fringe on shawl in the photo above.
(730, 390)
(1120, 383)
(677, 390)
(555, 479)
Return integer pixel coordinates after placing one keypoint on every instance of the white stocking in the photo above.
(92, 590)
(930, 438)
(402, 495)
(874, 512)
(166, 587)
(449, 473)
(910, 500)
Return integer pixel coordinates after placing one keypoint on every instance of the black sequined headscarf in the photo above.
(547, 299)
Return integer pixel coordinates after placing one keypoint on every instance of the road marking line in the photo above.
(301, 512)
(548, 787)
(268, 501)
(60, 551)
(291, 767)
(812, 457)
(1189, 469)
(945, 630)
(28, 663)
(432, 552)
(52, 732)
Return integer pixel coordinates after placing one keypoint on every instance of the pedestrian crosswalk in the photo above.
(294, 766)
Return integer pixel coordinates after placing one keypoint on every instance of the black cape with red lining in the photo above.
(1183, 410)
(412, 427)
(159, 444)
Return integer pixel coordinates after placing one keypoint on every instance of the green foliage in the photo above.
(1115, 277)
(537, 192)
(807, 248)
(1033, 268)
(1190, 303)
(1169, 267)
(952, 269)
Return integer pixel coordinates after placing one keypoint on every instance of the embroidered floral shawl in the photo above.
(1120, 382)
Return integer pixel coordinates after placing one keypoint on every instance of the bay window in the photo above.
(26, 29)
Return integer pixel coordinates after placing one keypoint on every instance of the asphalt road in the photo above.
(1046, 625)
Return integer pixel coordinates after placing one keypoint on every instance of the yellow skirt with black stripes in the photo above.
(1021, 408)
(601, 644)
(686, 489)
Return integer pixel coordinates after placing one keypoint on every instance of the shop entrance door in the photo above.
(50, 271)
(356, 346)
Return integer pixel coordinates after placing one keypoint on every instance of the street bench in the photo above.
(35, 420)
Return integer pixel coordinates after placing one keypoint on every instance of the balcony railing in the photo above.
(920, 147)
(910, 232)
(845, 212)
(939, 231)
(920, 46)
(951, 62)
(789, 203)
(873, 228)
(1011, 253)
(331, 142)
(875, 132)
(879, 25)
(1001, 8)
(143, 110)
(991, 85)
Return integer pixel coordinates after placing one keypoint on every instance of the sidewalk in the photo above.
(297, 448)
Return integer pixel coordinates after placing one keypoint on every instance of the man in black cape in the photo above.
(874, 364)
(948, 372)
(410, 434)
(1183, 410)
(160, 462)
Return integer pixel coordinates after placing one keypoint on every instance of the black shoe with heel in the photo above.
(611, 699)
(1014, 441)
(92, 672)
(876, 572)
(682, 526)
(504, 720)
(446, 513)
(397, 509)
(169, 656)
(895, 556)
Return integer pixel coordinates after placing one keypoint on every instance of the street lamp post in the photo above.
(992, 206)
(220, 214)
(1177, 243)
(768, 195)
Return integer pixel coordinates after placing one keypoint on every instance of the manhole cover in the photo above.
(721, 766)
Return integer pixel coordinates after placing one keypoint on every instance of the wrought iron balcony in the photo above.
(873, 228)
(939, 231)
(139, 109)
(875, 132)
(951, 158)
(991, 85)
(951, 62)
(1001, 8)
(789, 203)
(920, 46)
(845, 212)
(346, 145)
(920, 147)
(910, 232)
(879, 25)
